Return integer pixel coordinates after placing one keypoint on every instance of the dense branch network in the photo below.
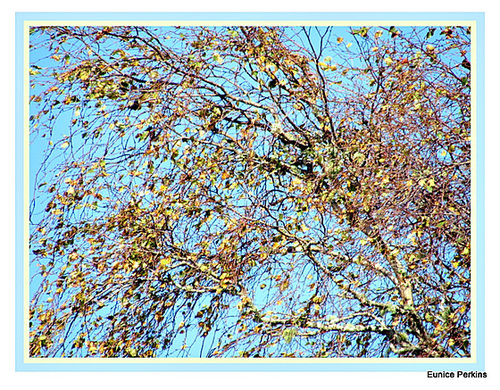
(251, 191)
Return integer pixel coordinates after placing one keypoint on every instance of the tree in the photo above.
(251, 191)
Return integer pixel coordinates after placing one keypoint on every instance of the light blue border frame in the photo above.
(217, 365)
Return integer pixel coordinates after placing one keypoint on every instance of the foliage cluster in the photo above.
(251, 192)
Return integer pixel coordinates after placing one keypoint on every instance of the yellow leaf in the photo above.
(285, 284)
(323, 65)
(158, 316)
(395, 252)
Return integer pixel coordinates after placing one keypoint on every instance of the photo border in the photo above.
(25, 363)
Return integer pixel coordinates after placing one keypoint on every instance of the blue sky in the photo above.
(375, 380)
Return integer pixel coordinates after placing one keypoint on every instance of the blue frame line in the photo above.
(99, 364)
(251, 16)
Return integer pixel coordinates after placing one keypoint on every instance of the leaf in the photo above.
(394, 32)
(362, 32)
(388, 61)
(289, 334)
(359, 157)
(285, 284)
(131, 351)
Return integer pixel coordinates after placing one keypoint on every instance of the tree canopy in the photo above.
(250, 191)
